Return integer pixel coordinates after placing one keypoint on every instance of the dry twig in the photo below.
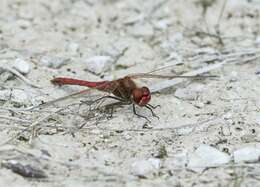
(20, 76)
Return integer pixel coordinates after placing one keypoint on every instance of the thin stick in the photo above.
(14, 119)
(33, 125)
(20, 76)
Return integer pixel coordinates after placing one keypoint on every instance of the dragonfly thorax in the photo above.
(141, 96)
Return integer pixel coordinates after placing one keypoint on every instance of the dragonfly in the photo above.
(125, 90)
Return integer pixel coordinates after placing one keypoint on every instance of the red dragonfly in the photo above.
(124, 90)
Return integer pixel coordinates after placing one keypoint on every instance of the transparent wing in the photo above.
(73, 95)
(109, 88)
(155, 76)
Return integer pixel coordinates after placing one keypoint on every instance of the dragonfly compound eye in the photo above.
(146, 96)
(141, 96)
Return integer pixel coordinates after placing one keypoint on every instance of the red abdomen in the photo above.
(63, 81)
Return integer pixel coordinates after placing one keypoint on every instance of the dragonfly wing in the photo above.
(73, 95)
(102, 87)
(155, 76)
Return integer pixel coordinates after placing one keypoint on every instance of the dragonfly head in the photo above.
(141, 96)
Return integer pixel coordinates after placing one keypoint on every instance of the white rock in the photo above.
(145, 167)
(257, 41)
(53, 62)
(247, 154)
(127, 136)
(14, 95)
(155, 162)
(233, 76)
(206, 156)
(4, 76)
(20, 96)
(98, 64)
(141, 168)
(227, 115)
(21, 65)
(226, 130)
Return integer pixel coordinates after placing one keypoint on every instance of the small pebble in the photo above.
(98, 64)
(227, 115)
(257, 41)
(143, 168)
(247, 154)
(53, 62)
(206, 156)
(127, 136)
(226, 130)
(15, 95)
(233, 76)
(155, 162)
(22, 66)
(6, 76)
(20, 96)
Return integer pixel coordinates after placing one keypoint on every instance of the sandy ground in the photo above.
(74, 144)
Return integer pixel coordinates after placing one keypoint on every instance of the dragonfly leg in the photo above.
(151, 109)
(141, 116)
(111, 107)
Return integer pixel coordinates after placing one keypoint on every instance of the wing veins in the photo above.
(147, 75)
